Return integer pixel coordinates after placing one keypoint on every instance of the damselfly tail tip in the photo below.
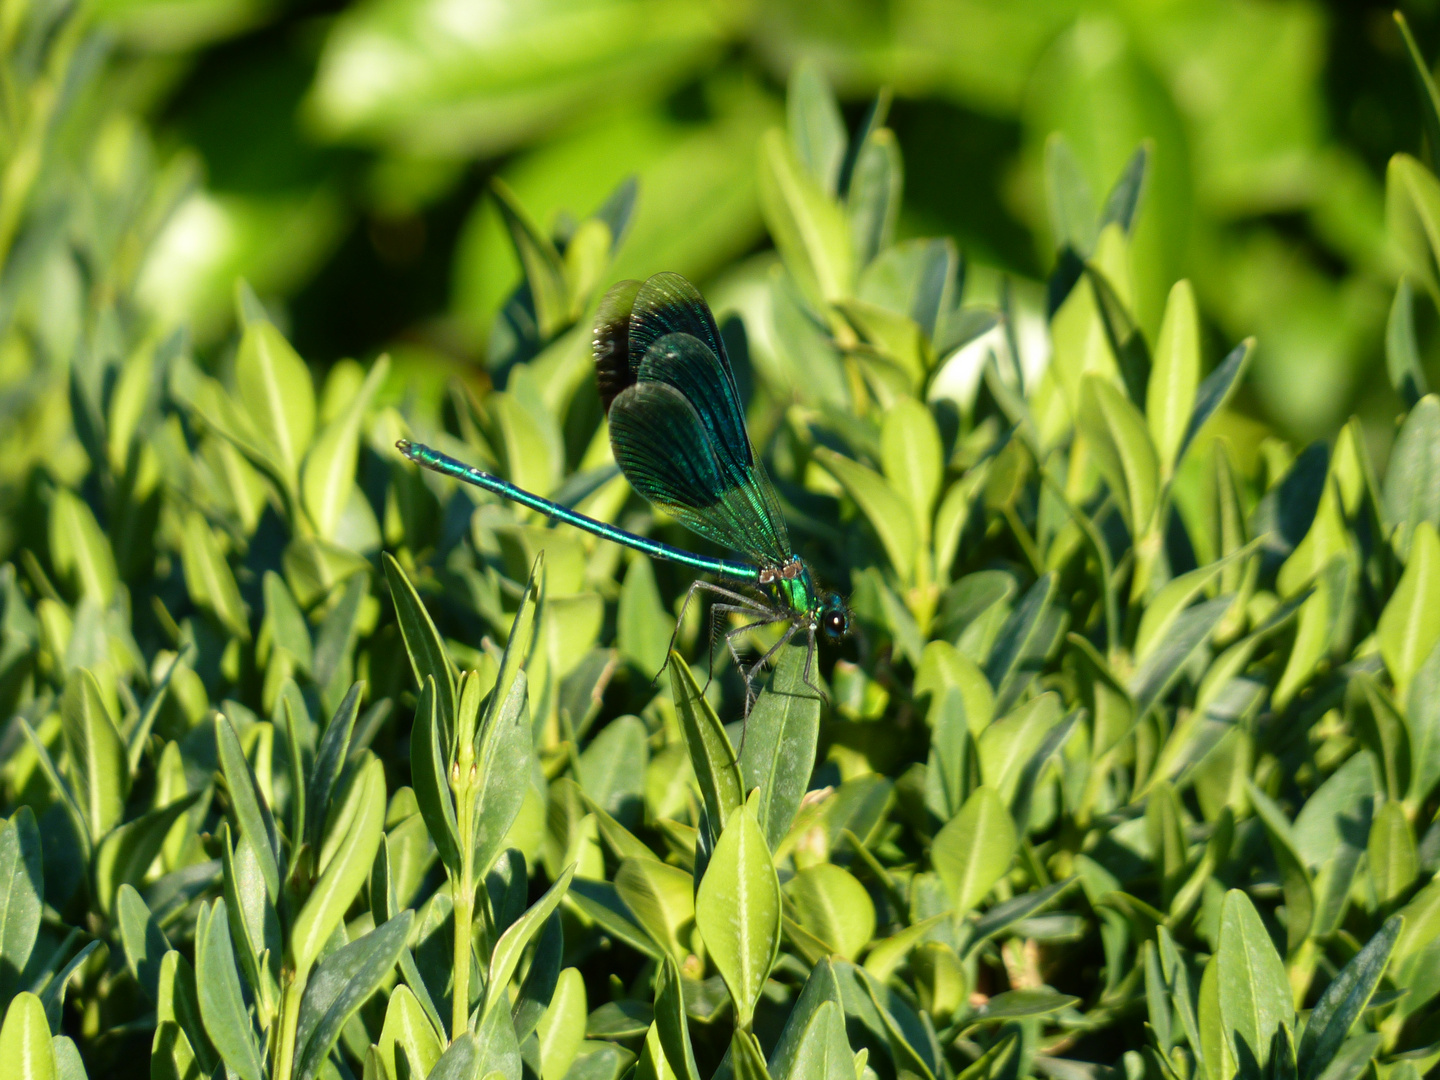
(406, 447)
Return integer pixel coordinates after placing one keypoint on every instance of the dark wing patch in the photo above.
(668, 304)
(611, 345)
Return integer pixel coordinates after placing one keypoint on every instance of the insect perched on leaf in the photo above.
(678, 432)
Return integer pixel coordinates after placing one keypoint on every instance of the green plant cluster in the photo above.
(342, 138)
(319, 766)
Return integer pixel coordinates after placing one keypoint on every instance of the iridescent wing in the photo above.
(676, 422)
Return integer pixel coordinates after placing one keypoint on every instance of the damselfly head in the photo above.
(834, 617)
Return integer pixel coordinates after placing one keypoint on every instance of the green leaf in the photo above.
(1013, 659)
(713, 758)
(821, 988)
(125, 854)
(1422, 922)
(506, 957)
(1019, 1004)
(272, 385)
(428, 775)
(1007, 746)
(1123, 203)
(503, 759)
(22, 894)
(1254, 993)
(1294, 875)
(79, 550)
(1412, 213)
(994, 1060)
(612, 771)
(1381, 729)
(662, 899)
(98, 762)
(1069, 198)
(1426, 91)
(1000, 917)
(622, 842)
(424, 645)
(288, 628)
(623, 1019)
(779, 746)
(208, 576)
(562, 1029)
(538, 988)
(68, 1063)
(1411, 493)
(1187, 636)
(339, 986)
(587, 257)
(834, 907)
(746, 1057)
(171, 1057)
(330, 758)
(178, 1002)
(911, 456)
(254, 919)
(1175, 596)
(809, 229)
(1409, 627)
(53, 996)
(1402, 348)
(949, 766)
(459, 1062)
(533, 453)
(942, 668)
(138, 736)
(1391, 853)
(1113, 304)
(1423, 721)
(329, 479)
(1175, 375)
(973, 851)
(251, 813)
(1215, 391)
(911, 1046)
(407, 1032)
(671, 1024)
(887, 511)
(1344, 1000)
(643, 627)
(824, 1052)
(737, 909)
(144, 942)
(341, 879)
(1123, 450)
(25, 1045)
(544, 271)
(899, 356)
(941, 982)
(872, 205)
(816, 129)
(599, 902)
(336, 638)
(221, 1004)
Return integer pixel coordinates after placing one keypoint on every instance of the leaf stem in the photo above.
(290, 996)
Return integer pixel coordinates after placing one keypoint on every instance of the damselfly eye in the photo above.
(835, 623)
